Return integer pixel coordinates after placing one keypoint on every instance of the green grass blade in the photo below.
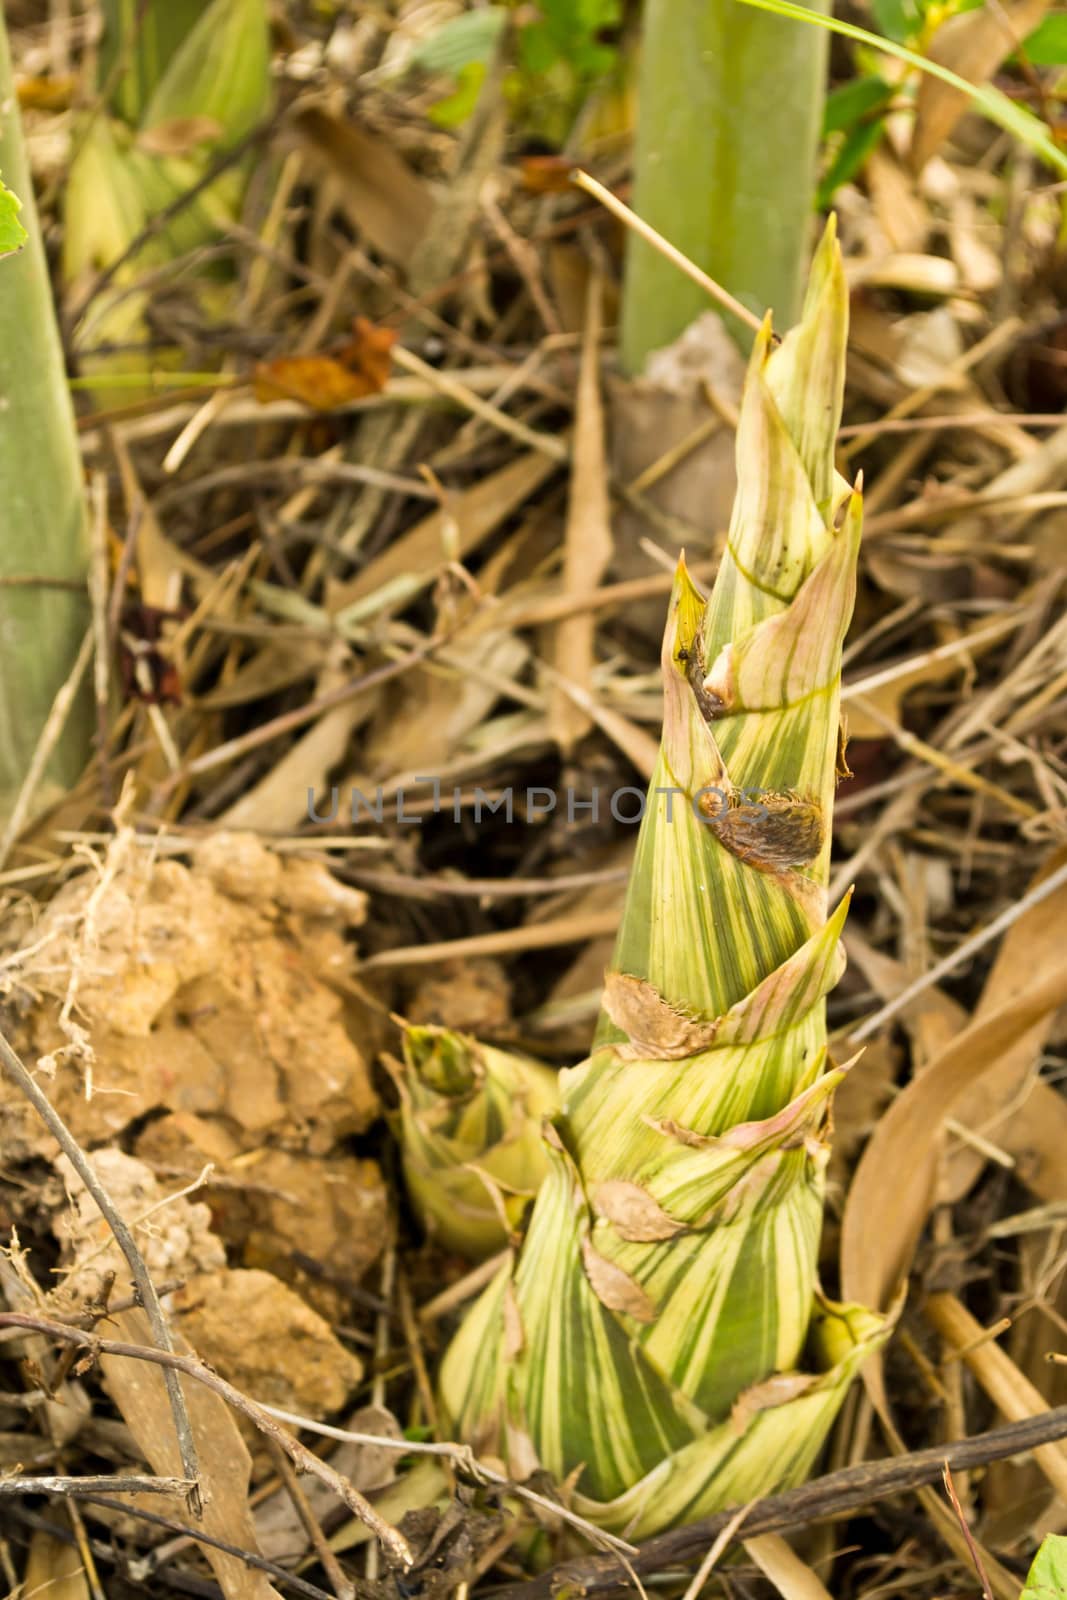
(1014, 119)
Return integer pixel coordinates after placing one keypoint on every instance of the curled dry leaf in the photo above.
(776, 1391)
(633, 1212)
(358, 369)
(657, 1030)
(615, 1288)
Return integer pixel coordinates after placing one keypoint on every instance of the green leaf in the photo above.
(1047, 1579)
(12, 234)
(1047, 45)
(458, 43)
(221, 71)
(861, 140)
(1014, 119)
(898, 19)
(139, 40)
(854, 102)
(454, 109)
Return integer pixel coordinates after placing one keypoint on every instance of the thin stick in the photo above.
(715, 1550)
(124, 1239)
(147, 1565)
(547, 443)
(343, 1587)
(463, 1456)
(304, 1459)
(658, 242)
(968, 948)
(93, 1485)
(950, 1490)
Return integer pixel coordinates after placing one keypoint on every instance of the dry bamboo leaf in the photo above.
(384, 199)
(774, 1391)
(179, 136)
(587, 542)
(138, 1389)
(433, 713)
(1030, 1126)
(903, 218)
(972, 45)
(1012, 1393)
(991, 1106)
(280, 799)
(54, 1569)
(793, 1578)
(472, 514)
(913, 274)
(894, 1185)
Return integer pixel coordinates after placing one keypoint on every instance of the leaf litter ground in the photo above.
(418, 525)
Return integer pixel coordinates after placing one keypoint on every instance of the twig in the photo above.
(93, 1485)
(343, 1587)
(665, 248)
(950, 1490)
(831, 1496)
(464, 1458)
(962, 953)
(144, 1568)
(127, 1244)
(304, 1459)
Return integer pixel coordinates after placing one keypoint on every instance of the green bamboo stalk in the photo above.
(42, 500)
(729, 112)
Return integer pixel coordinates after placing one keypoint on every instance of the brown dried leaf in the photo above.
(359, 368)
(775, 1391)
(895, 1183)
(992, 1106)
(615, 1288)
(972, 45)
(381, 195)
(656, 1030)
(633, 1212)
(138, 1389)
(776, 832)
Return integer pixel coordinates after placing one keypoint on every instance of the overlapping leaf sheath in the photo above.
(661, 1339)
(470, 1131)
